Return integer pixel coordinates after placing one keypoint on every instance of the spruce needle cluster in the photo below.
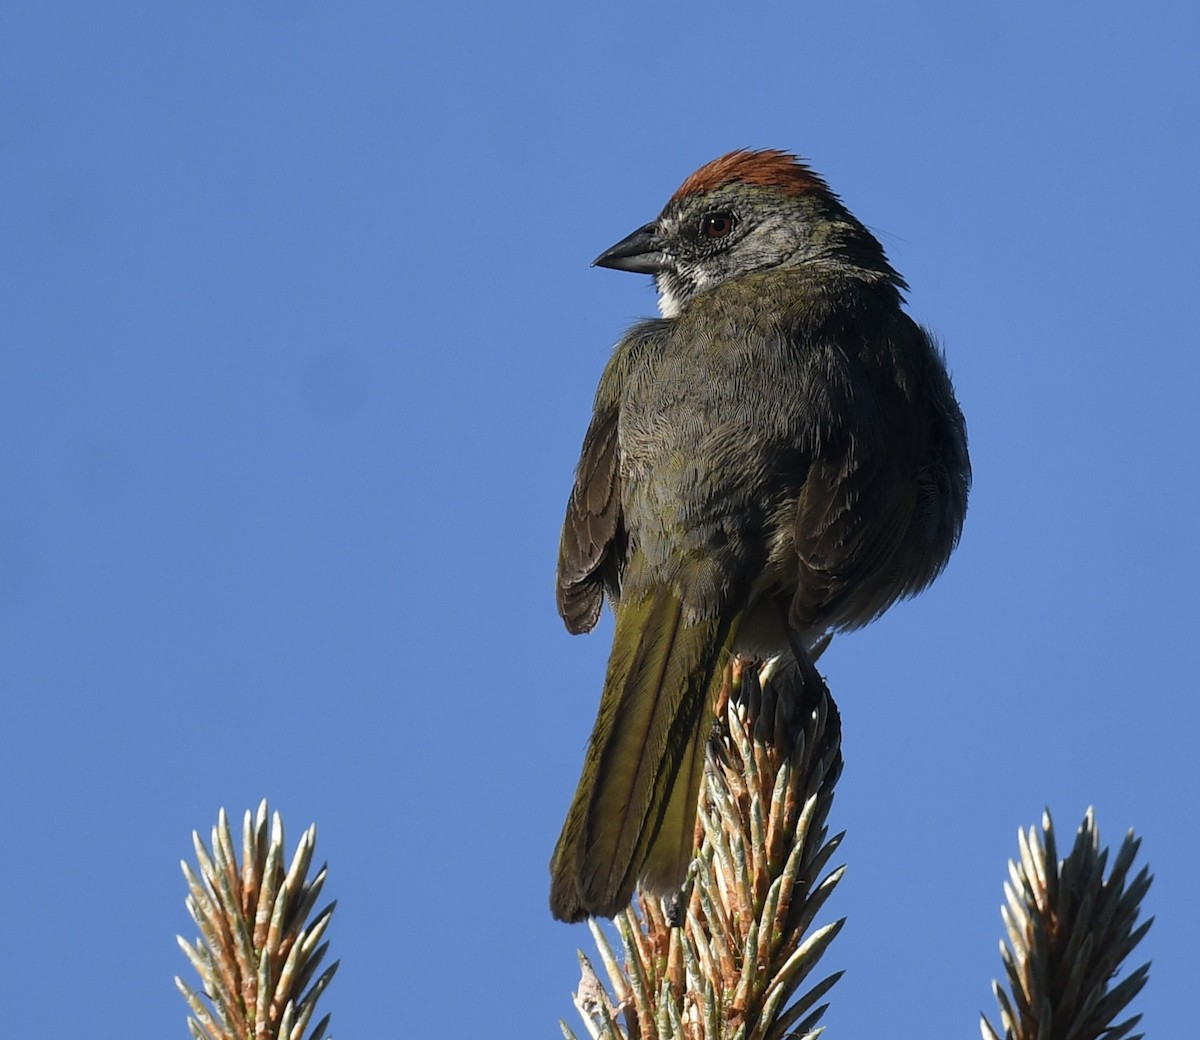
(733, 969)
(1069, 930)
(258, 952)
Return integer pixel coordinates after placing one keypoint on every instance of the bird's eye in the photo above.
(716, 225)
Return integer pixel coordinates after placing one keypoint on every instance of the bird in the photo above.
(777, 457)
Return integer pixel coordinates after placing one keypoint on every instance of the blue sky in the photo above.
(298, 339)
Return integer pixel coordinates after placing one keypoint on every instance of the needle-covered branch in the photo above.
(745, 949)
(258, 951)
(1069, 932)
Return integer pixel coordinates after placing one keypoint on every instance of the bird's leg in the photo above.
(674, 907)
(803, 655)
(804, 661)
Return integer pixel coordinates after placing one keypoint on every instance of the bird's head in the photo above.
(746, 211)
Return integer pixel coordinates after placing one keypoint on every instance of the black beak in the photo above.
(638, 253)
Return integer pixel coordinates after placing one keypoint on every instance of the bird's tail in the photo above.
(634, 812)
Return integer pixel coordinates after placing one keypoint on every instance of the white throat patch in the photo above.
(669, 305)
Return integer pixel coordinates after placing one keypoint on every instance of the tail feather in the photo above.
(668, 857)
(634, 811)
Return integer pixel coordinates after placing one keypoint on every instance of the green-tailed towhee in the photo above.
(780, 455)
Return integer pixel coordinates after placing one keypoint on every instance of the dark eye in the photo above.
(716, 225)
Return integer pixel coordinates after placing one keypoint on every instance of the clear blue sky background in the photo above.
(298, 340)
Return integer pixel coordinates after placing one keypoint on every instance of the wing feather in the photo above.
(593, 537)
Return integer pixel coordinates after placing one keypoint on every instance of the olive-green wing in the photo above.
(882, 507)
(851, 525)
(593, 538)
